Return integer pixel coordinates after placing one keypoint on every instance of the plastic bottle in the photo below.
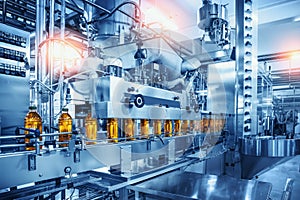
(112, 130)
(177, 127)
(185, 126)
(129, 129)
(144, 128)
(157, 127)
(168, 128)
(65, 125)
(32, 121)
(90, 128)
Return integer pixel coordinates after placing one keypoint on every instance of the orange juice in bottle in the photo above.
(90, 128)
(65, 125)
(32, 121)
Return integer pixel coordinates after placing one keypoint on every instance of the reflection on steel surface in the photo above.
(187, 185)
(269, 147)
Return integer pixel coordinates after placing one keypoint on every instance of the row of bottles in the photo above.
(169, 128)
(34, 121)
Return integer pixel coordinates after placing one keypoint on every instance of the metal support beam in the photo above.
(246, 68)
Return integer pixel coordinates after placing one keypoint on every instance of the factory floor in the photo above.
(278, 176)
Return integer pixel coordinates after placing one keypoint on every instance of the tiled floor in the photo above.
(278, 176)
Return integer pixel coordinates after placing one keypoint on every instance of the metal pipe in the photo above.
(294, 110)
(51, 59)
(277, 56)
(11, 145)
(33, 82)
(4, 11)
(62, 37)
(39, 36)
(11, 137)
(22, 136)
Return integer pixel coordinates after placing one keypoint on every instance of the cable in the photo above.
(76, 5)
(159, 137)
(71, 195)
(117, 9)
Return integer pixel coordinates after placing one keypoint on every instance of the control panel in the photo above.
(14, 51)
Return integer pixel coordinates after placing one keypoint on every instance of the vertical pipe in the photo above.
(39, 35)
(62, 37)
(89, 10)
(51, 59)
(4, 11)
(294, 110)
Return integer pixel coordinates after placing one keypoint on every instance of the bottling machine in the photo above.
(150, 109)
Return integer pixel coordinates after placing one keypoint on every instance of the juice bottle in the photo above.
(168, 128)
(129, 129)
(112, 129)
(157, 127)
(65, 125)
(177, 127)
(32, 121)
(185, 127)
(145, 128)
(91, 128)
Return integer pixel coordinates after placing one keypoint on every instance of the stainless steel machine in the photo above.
(154, 114)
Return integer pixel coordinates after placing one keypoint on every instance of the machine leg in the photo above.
(136, 195)
(63, 194)
(123, 193)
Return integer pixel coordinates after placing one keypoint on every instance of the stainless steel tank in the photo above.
(117, 23)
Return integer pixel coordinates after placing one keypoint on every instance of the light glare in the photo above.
(153, 15)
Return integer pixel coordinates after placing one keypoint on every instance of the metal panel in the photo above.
(267, 146)
(14, 91)
(178, 185)
(221, 91)
(137, 156)
(109, 94)
(15, 171)
(220, 84)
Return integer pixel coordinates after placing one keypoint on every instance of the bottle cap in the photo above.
(32, 107)
(65, 109)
